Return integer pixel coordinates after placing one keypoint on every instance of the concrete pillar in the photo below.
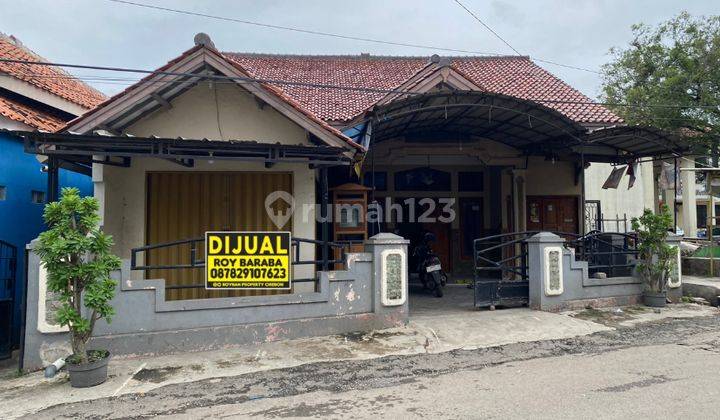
(390, 274)
(689, 204)
(519, 199)
(545, 268)
(675, 281)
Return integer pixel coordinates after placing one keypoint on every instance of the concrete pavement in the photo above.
(660, 369)
(646, 382)
(707, 288)
(437, 333)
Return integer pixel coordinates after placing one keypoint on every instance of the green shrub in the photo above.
(656, 257)
(78, 260)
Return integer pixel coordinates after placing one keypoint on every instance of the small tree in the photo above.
(78, 261)
(675, 63)
(657, 258)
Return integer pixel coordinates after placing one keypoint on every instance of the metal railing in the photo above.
(190, 254)
(503, 253)
(613, 253)
(609, 252)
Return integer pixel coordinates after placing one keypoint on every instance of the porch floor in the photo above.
(457, 298)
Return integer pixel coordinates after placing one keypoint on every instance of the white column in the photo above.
(647, 181)
(689, 207)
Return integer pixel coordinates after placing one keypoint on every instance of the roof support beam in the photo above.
(162, 101)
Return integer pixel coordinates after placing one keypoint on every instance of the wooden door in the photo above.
(183, 205)
(413, 229)
(442, 245)
(441, 230)
(471, 224)
(552, 214)
(567, 215)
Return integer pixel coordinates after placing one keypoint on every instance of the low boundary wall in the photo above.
(347, 300)
(558, 281)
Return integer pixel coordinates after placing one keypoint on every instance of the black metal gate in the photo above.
(593, 216)
(501, 270)
(8, 269)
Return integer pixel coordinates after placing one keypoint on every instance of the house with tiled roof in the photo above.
(32, 98)
(348, 157)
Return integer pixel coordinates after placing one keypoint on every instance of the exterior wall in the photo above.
(20, 219)
(620, 201)
(220, 112)
(217, 111)
(700, 202)
(346, 301)
(547, 178)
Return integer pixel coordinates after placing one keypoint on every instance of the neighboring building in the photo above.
(202, 143)
(707, 207)
(31, 98)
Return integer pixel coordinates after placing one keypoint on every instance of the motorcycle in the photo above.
(429, 268)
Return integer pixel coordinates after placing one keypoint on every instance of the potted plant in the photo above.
(78, 260)
(656, 257)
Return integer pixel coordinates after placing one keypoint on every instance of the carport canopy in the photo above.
(529, 126)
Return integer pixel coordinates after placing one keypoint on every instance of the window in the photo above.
(3, 193)
(470, 181)
(702, 216)
(422, 179)
(38, 197)
(380, 179)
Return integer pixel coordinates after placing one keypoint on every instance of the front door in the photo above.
(552, 214)
(471, 224)
(424, 217)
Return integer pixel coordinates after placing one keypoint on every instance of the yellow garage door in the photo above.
(183, 205)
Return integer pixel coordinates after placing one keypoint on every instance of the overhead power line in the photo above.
(248, 79)
(336, 35)
(470, 12)
(299, 30)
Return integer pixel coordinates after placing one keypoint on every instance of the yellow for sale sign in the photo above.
(247, 260)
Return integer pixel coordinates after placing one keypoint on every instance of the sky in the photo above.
(100, 32)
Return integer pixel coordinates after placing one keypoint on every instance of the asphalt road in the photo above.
(657, 370)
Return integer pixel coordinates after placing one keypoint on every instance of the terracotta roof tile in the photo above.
(514, 75)
(327, 103)
(48, 78)
(25, 114)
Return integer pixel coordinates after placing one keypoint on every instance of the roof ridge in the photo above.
(371, 56)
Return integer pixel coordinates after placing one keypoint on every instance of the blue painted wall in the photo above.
(21, 219)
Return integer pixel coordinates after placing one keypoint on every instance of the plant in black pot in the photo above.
(78, 260)
(656, 258)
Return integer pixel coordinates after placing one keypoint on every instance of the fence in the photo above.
(506, 255)
(189, 254)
